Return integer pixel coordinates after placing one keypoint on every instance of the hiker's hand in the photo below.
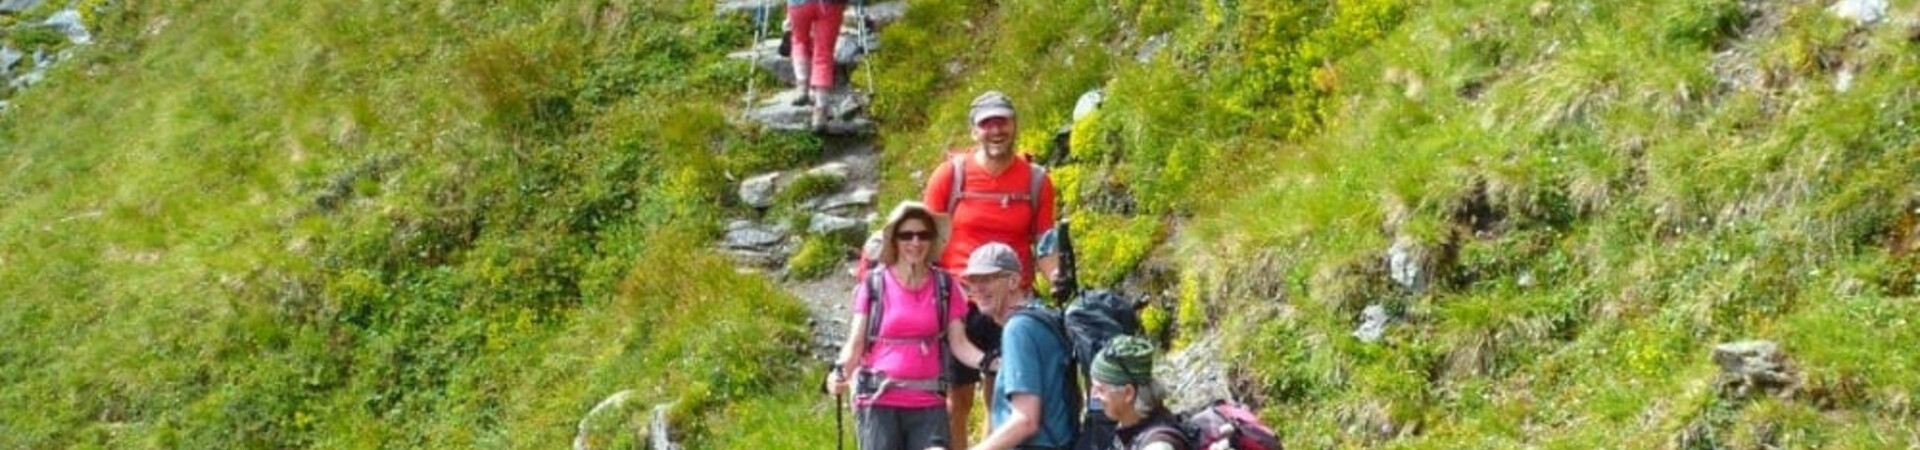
(836, 383)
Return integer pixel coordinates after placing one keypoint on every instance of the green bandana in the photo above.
(1126, 360)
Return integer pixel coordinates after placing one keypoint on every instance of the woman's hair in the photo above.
(1148, 397)
(926, 223)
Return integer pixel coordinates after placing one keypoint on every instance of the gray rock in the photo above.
(582, 439)
(749, 7)
(1405, 264)
(1373, 324)
(5, 106)
(837, 170)
(1750, 366)
(1194, 374)
(758, 191)
(9, 57)
(823, 224)
(847, 53)
(68, 22)
(660, 429)
(880, 14)
(1861, 12)
(839, 204)
(28, 79)
(1088, 102)
(846, 116)
(746, 235)
(18, 6)
(1151, 47)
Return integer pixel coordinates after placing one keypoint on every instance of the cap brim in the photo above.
(991, 112)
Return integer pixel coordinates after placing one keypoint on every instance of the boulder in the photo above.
(660, 429)
(582, 439)
(1406, 264)
(758, 191)
(28, 79)
(9, 57)
(1748, 367)
(1088, 102)
(1151, 47)
(824, 224)
(837, 170)
(1860, 12)
(17, 6)
(1373, 324)
(1194, 374)
(841, 203)
(748, 7)
(845, 117)
(68, 22)
(846, 54)
(879, 15)
(747, 235)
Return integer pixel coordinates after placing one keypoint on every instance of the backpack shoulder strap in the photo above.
(876, 305)
(1039, 174)
(959, 164)
(942, 295)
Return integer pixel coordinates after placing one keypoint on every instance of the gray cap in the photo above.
(989, 105)
(991, 259)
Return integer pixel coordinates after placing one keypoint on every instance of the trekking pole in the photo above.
(866, 51)
(839, 422)
(753, 61)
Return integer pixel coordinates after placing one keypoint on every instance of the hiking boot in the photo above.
(804, 99)
(819, 118)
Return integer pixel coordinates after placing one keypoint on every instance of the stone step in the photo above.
(878, 14)
(846, 116)
(846, 55)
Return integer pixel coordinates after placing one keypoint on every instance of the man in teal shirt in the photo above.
(1035, 404)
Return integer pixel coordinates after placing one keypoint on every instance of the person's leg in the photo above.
(878, 428)
(986, 401)
(926, 428)
(959, 411)
(826, 33)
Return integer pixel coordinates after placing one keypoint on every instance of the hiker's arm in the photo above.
(1023, 421)
(938, 186)
(846, 362)
(963, 348)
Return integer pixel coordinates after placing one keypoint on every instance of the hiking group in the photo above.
(944, 306)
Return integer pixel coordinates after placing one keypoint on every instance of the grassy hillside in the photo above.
(362, 224)
(1593, 195)
(378, 225)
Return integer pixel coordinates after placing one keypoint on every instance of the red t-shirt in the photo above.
(981, 220)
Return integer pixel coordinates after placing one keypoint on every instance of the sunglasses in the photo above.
(923, 236)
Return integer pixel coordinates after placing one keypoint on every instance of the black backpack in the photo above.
(1088, 324)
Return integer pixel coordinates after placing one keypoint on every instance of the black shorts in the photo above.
(985, 334)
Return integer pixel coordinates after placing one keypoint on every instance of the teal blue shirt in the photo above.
(1033, 360)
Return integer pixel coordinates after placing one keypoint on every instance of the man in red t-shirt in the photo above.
(998, 195)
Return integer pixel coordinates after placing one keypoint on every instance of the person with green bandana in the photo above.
(1122, 378)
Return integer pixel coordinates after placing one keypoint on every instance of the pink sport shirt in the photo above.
(907, 348)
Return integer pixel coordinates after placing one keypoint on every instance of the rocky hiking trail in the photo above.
(763, 242)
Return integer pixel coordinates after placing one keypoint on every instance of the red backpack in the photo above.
(1225, 424)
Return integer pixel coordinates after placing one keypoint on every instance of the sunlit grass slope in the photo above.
(364, 224)
(1592, 195)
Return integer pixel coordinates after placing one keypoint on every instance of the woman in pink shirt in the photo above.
(894, 360)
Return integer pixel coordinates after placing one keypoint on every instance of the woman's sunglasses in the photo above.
(923, 236)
